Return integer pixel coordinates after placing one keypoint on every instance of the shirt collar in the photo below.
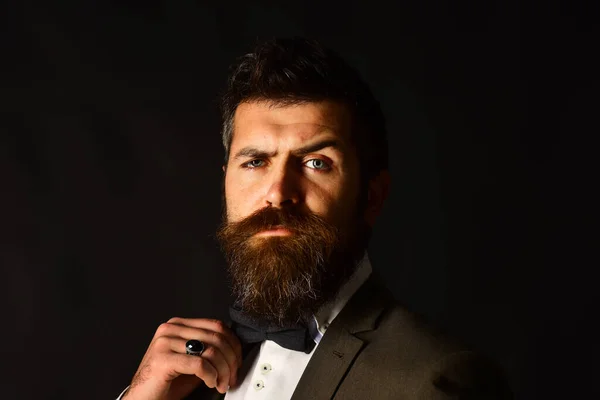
(330, 310)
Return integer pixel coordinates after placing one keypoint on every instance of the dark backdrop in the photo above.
(110, 177)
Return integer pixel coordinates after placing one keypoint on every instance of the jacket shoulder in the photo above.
(405, 356)
(405, 337)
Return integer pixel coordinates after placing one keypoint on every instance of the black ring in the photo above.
(194, 347)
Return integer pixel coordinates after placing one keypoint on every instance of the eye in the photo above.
(318, 164)
(257, 163)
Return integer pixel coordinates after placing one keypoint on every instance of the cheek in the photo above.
(334, 202)
(240, 198)
(232, 199)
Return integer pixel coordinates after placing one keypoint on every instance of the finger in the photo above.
(214, 325)
(211, 338)
(208, 337)
(224, 370)
(211, 353)
(183, 364)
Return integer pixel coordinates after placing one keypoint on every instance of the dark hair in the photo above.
(298, 70)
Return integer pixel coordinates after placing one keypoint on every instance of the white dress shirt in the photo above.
(272, 372)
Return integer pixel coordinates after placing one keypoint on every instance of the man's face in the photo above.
(292, 230)
(295, 156)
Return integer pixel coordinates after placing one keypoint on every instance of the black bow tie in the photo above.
(250, 331)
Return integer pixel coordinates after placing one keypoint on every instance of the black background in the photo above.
(110, 177)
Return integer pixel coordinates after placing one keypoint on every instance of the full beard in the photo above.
(284, 280)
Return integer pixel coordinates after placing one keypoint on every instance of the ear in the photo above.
(379, 189)
(224, 168)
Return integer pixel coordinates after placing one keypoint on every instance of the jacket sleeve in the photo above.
(466, 376)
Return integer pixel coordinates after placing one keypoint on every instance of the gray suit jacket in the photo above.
(376, 349)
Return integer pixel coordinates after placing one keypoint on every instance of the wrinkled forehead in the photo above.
(268, 121)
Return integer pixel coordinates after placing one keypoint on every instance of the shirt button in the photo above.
(265, 368)
(258, 385)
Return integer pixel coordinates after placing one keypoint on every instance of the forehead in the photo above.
(266, 120)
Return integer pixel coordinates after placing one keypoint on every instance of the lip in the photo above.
(276, 231)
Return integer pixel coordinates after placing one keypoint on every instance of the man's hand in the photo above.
(168, 373)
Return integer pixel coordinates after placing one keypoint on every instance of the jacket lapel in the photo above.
(339, 346)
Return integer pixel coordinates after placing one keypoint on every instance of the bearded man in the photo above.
(305, 177)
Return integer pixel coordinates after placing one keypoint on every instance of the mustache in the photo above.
(269, 217)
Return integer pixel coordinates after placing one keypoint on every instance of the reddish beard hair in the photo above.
(285, 279)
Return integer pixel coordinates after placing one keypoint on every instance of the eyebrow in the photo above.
(253, 152)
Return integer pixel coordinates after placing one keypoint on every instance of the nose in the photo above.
(284, 187)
